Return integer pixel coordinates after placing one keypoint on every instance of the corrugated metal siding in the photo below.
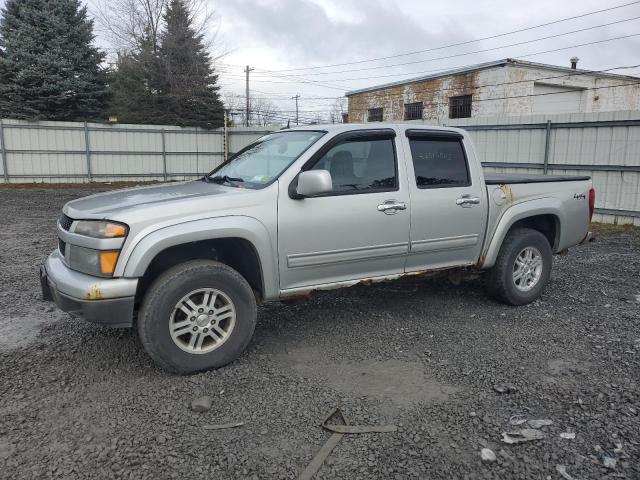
(56, 151)
(584, 146)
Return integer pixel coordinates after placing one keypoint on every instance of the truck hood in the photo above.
(120, 202)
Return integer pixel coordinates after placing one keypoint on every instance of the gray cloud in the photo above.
(300, 31)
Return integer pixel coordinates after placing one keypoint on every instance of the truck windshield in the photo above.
(259, 164)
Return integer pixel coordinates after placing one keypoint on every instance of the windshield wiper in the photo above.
(223, 179)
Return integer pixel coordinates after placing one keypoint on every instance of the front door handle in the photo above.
(466, 201)
(391, 206)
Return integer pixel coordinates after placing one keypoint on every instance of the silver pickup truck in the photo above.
(300, 210)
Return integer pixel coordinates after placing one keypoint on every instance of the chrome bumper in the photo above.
(109, 301)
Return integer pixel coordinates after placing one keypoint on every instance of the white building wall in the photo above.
(505, 90)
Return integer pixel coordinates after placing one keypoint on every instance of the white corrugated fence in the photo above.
(64, 152)
(605, 146)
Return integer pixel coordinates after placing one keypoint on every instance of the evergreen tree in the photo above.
(135, 85)
(48, 66)
(188, 90)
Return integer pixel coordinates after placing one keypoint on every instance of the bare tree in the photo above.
(206, 22)
(235, 104)
(338, 108)
(315, 119)
(262, 111)
(127, 24)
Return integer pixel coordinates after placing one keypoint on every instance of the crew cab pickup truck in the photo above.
(300, 210)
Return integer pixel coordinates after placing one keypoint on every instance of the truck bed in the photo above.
(512, 178)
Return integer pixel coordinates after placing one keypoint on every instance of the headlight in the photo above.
(99, 229)
(96, 261)
(100, 263)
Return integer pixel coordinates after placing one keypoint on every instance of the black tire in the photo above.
(163, 296)
(499, 280)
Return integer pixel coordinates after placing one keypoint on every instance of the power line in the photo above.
(464, 66)
(341, 88)
(548, 37)
(285, 96)
(552, 77)
(310, 82)
(500, 84)
(553, 22)
(277, 115)
(508, 97)
(444, 70)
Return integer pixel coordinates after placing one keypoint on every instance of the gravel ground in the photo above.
(82, 401)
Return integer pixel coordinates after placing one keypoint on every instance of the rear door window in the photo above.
(439, 163)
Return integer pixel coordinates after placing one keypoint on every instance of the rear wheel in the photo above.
(522, 268)
(197, 316)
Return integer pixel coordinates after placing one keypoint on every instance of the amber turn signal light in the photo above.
(108, 262)
(114, 230)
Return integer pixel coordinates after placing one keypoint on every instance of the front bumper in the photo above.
(108, 301)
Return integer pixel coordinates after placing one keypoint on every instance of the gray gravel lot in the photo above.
(82, 401)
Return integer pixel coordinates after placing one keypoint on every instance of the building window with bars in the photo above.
(460, 107)
(413, 111)
(374, 115)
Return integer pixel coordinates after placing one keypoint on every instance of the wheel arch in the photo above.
(243, 243)
(545, 217)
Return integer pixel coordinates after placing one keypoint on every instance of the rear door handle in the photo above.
(391, 206)
(466, 201)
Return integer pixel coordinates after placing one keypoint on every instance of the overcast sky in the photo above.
(289, 34)
(285, 34)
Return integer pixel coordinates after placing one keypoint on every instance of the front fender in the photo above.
(520, 211)
(144, 251)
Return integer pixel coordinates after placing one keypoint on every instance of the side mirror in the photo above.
(314, 182)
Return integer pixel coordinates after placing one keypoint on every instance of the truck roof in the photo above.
(343, 127)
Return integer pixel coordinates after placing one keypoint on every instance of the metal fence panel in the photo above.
(605, 146)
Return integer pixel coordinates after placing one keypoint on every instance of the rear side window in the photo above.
(439, 163)
(362, 165)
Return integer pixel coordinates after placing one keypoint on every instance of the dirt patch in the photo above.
(397, 383)
(569, 366)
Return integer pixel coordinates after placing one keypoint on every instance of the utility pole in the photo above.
(296, 97)
(247, 70)
(226, 136)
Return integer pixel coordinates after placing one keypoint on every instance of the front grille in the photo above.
(65, 222)
(62, 246)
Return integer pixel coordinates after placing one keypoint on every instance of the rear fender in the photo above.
(520, 211)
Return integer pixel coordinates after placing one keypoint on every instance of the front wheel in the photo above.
(197, 316)
(522, 268)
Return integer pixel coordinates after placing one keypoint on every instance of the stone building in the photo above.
(502, 88)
